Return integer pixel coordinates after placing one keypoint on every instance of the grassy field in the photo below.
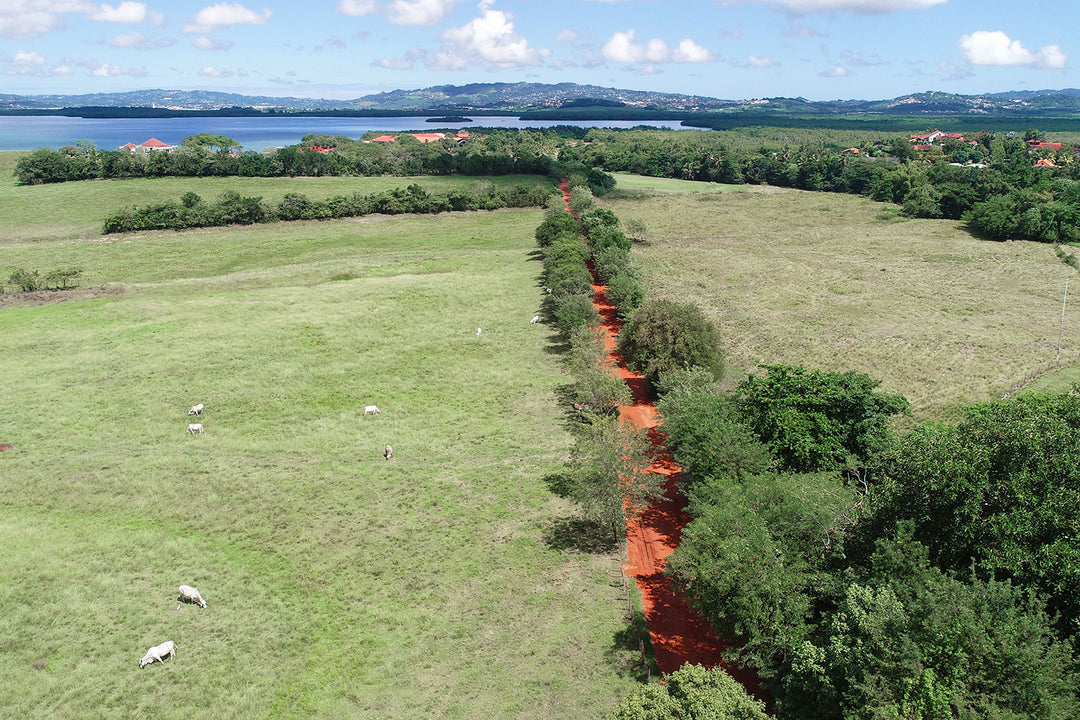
(437, 584)
(842, 283)
(66, 210)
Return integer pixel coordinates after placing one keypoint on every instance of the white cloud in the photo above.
(984, 47)
(690, 52)
(26, 62)
(623, 48)
(225, 14)
(760, 62)
(210, 71)
(29, 18)
(107, 70)
(418, 12)
(859, 6)
(489, 40)
(404, 63)
(125, 12)
(31, 63)
(834, 72)
(204, 43)
(567, 35)
(357, 8)
(135, 40)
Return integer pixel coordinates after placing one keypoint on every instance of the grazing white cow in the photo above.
(388, 452)
(477, 332)
(158, 652)
(195, 409)
(195, 429)
(371, 410)
(190, 594)
(536, 319)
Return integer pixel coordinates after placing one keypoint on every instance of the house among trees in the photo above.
(1037, 145)
(149, 146)
(460, 137)
(934, 137)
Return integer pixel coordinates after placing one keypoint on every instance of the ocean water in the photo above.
(30, 132)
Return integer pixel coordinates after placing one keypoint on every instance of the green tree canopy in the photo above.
(816, 420)
(691, 693)
(667, 335)
(211, 142)
(1001, 489)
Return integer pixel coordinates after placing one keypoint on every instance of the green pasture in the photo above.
(442, 583)
(842, 283)
(68, 210)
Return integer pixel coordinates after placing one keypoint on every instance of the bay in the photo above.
(30, 132)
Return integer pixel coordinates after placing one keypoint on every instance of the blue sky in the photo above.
(731, 49)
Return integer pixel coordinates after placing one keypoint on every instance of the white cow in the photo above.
(195, 409)
(478, 332)
(195, 429)
(536, 319)
(388, 452)
(158, 652)
(371, 410)
(190, 594)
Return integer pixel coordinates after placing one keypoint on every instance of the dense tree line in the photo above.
(496, 153)
(864, 574)
(231, 208)
(991, 182)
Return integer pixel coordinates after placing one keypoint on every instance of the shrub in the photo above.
(626, 292)
(610, 261)
(557, 222)
(666, 335)
(576, 311)
(595, 382)
(704, 432)
(692, 691)
(25, 280)
(63, 278)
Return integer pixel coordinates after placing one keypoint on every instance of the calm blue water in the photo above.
(35, 131)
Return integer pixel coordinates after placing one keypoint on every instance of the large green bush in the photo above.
(816, 420)
(667, 335)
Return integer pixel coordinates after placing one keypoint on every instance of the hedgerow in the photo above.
(232, 208)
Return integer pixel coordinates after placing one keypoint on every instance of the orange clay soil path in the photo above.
(679, 634)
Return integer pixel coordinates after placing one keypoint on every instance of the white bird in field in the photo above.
(477, 332)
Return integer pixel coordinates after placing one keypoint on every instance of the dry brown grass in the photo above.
(841, 283)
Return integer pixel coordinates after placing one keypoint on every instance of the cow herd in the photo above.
(167, 649)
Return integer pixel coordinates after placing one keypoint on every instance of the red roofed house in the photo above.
(1045, 162)
(1036, 145)
(428, 137)
(384, 139)
(151, 144)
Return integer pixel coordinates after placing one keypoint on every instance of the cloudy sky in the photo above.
(731, 49)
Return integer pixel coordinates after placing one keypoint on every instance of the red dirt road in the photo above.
(678, 633)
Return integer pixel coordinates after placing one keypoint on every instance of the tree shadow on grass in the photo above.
(579, 535)
(631, 650)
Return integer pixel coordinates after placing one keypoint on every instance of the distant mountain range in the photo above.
(537, 99)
